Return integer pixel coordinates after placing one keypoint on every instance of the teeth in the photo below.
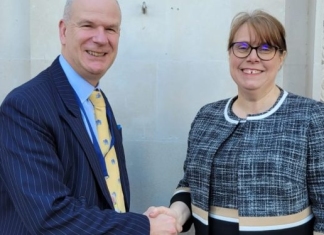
(251, 71)
(97, 54)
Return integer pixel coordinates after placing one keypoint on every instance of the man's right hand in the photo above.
(163, 222)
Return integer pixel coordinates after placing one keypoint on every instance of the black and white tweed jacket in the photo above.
(281, 165)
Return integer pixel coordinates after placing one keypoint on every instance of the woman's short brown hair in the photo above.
(267, 28)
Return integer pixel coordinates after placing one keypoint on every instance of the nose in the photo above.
(253, 56)
(100, 36)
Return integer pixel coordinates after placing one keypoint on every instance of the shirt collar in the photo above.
(81, 87)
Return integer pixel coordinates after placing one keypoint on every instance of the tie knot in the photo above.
(97, 99)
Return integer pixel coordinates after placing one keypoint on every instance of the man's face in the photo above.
(90, 37)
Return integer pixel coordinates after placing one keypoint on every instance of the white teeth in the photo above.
(97, 54)
(251, 71)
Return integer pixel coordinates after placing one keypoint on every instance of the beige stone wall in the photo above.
(14, 41)
(322, 60)
(322, 87)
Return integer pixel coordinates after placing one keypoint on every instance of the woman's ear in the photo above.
(282, 59)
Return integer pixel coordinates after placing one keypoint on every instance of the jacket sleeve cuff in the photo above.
(185, 198)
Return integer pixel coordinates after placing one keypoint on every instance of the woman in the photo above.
(255, 162)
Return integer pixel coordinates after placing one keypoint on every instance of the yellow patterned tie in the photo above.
(104, 138)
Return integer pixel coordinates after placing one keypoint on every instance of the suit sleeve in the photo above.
(33, 175)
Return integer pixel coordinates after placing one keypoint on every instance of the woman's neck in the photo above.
(254, 103)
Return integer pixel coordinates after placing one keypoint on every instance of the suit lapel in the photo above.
(70, 111)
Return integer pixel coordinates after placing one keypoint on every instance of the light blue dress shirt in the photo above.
(83, 89)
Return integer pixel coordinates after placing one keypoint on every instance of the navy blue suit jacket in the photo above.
(50, 178)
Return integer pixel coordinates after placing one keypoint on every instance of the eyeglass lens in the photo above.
(264, 51)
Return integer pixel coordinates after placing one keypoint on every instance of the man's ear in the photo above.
(62, 31)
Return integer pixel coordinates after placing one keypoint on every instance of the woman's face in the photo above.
(252, 73)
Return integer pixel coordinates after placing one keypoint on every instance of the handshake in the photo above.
(167, 221)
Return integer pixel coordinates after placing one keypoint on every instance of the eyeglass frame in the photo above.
(255, 48)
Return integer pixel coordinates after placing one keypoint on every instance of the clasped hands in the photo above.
(163, 221)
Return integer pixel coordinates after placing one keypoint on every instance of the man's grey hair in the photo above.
(68, 10)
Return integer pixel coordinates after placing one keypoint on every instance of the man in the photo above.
(53, 172)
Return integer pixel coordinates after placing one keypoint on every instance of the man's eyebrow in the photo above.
(113, 25)
(84, 22)
(110, 25)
